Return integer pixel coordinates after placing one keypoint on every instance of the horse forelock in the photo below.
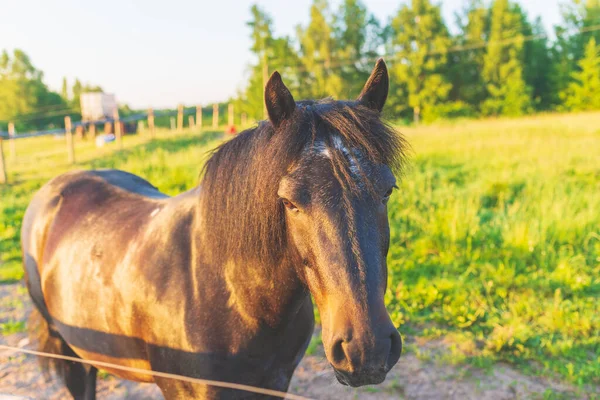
(242, 216)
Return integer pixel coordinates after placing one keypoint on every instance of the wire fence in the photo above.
(285, 64)
(199, 381)
(121, 125)
(459, 48)
(116, 121)
(85, 124)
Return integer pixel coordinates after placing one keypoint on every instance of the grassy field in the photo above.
(495, 232)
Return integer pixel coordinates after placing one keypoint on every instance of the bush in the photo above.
(456, 109)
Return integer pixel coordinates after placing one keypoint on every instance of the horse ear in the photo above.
(278, 99)
(376, 89)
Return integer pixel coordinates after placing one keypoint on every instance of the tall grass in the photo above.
(495, 232)
(496, 241)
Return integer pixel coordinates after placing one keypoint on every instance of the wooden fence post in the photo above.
(3, 178)
(191, 121)
(172, 121)
(215, 124)
(69, 135)
(230, 120)
(180, 118)
(244, 119)
(199, 117)
(79, 132)
(151, 121)
(92, 130)
(12, 145)
(118, 133)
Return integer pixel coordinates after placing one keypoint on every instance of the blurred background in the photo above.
(494, 264)
(448, 59)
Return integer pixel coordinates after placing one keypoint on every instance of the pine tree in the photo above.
(318, 54)
(504, 63)
(261, 34)
(580, 15)
(584, 92)
(420, 40)
(64, 92)
(22, 91)
(79, 88)
(270, 52)
(569, 46)
(538, 64)
(357, 38)
(467, 65)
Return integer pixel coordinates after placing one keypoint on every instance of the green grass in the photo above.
(171, 161)
(495, 242)
(10, 327)
(11, 272)
(495, 233)
(315, 343)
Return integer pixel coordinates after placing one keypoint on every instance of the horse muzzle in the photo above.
(365, 366)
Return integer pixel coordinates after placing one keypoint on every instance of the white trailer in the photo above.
(97, 106)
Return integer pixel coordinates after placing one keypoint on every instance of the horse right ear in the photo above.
(278, 99)
(376, 89)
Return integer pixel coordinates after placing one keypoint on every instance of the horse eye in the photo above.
(387, 194)
(289, 205)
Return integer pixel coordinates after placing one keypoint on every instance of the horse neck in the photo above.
(262, 291)
(269, 293)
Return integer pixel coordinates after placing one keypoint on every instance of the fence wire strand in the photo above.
(208, 382)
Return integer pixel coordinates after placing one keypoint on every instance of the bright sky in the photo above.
(161, 53)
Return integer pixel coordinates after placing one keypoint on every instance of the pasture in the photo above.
(495, 228)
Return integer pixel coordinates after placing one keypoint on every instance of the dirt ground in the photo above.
(411, 378)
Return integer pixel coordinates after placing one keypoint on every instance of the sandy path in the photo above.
(412, 378)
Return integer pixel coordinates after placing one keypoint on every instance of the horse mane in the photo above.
(242, 215)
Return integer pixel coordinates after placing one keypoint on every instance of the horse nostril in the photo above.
(395, 350)
(337, 352)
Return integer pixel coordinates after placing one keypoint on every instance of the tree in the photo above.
(466, 66)
(357, 36)
(262, 37)
(538, 64)
(578, 16)
(23, 93)
(317, 54)
(508, 93)
(420, 41)
(79, 88)
(270, 54)
(20, 84)
(279, 57)
(571, 37)
(64, 92)
(583, 93)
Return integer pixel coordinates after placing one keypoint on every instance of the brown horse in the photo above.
(216, 283)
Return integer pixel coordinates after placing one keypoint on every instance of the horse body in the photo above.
(137, 292)
(216, 283)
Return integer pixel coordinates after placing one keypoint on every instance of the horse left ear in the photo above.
(278, 99)
(376, 89)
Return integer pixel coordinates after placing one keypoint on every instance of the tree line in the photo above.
(28, 102)
(500, 61)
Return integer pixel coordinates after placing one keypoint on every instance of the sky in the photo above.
(162, 53)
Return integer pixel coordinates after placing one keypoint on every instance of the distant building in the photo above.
(97, 106)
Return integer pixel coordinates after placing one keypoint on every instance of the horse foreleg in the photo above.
(90, 384)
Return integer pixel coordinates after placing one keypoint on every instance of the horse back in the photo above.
(74, 230)
(85, 192)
